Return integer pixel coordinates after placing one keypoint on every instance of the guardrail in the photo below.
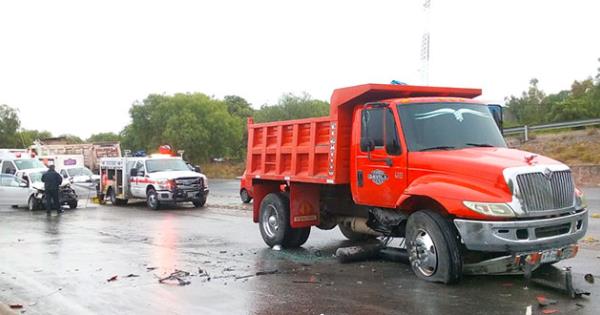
(569, 124)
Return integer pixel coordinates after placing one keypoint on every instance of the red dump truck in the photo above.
(425, 163)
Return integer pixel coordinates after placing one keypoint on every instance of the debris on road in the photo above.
(596, 215)
(259, 273)
(590, 240)
(560, 280)
(131, 275)
(543, 301)
(151, 268)
(177, 275)
(589, 278)
(550, 311)
(358, 253)
(16, 306)
(311, 280)
(277, 248)
(111, 279)
(263, 273)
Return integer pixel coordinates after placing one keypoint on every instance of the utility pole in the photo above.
(425, 43)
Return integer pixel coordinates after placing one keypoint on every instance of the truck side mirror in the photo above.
(367, 144)
(133, 172)
(197, 169)
(496, 111)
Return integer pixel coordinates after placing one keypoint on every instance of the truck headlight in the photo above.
(491, 209)
(580, 201)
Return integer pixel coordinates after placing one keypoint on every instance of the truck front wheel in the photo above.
(245, 196)
(152, 199)
(433, 247)
(274, 223)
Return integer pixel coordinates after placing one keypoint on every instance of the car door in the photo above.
(13, 191)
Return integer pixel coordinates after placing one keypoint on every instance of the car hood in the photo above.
(485, 164)
(174, 174)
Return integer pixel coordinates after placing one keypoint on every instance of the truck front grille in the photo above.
(541, 192)
(189, 183)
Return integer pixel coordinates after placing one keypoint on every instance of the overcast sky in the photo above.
(77, 66)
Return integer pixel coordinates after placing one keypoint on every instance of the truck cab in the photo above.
(427, 164)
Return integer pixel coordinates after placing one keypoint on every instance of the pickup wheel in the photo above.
(433, 247)
(152, 199)
(73, 204)
(245, 196)
(200, 202)
(33, 204)
(274, 223)
(354, 236)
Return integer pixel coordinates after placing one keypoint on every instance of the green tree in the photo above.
(104, 136)
(9, 125)
(238, 106)
(27, 137)
(292, 106)
(194, 122)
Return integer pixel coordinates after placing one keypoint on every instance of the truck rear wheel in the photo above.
(114, 200)
(152, 199)
(274, 223)
(433, 247)
(354, 236)
(200, 202)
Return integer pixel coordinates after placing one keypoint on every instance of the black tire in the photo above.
(428, 228)
(199, 203)
(274, 223)
(245, 196)
(354, 236)
(152, 199)
(33, 203)
(73, 204)
(114, 200)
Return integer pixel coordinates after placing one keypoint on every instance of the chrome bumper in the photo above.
(522, 236)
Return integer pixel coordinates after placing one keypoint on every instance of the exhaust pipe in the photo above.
(358, 225)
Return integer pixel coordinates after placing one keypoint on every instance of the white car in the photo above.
(79, 175)
(13, 190)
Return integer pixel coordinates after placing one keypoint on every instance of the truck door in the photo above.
(380, 160)
(138, 182)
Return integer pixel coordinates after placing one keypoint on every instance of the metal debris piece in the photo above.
(277, 248)
(561, 280)
(131, 275)
(151, 268)
(270, 272)
(589, 278)
(113, 278)
(549, 311)
(16, 306)
(177, 275)
(543, 301)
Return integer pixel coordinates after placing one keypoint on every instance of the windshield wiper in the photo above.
(483, 145)
(441, 147)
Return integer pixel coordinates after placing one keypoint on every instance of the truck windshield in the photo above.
(36, 177)
(447, 126)
(26, 164)
(79, 171)
(163, 165)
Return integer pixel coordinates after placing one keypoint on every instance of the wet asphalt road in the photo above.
(61, 264)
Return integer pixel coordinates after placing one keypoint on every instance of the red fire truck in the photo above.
(425, 163)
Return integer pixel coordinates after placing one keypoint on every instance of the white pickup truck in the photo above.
(158, 179)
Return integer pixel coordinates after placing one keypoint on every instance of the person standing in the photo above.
(52, 181)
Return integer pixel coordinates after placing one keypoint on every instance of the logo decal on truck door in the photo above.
(378, 177)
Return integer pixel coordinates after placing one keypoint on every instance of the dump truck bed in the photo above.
(317, 150)
(295, 150)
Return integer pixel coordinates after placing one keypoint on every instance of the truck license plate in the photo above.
(549, 256)
(191, 194)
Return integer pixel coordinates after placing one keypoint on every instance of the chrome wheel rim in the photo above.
(152, 200)
(423, 254)
(270, 220)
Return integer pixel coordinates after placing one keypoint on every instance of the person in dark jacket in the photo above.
(52, 181)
